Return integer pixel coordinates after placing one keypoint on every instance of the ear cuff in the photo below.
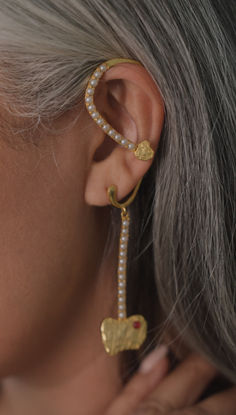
(142, 150)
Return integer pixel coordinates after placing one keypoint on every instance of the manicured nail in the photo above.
(153, 358)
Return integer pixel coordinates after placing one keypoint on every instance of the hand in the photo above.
(177, 393)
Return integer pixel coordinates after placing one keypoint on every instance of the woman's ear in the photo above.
(129, 99)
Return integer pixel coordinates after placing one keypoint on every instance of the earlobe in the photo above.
(134, 123)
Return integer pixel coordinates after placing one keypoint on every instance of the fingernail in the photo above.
(150, 361)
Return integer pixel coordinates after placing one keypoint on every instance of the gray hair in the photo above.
(182, 253)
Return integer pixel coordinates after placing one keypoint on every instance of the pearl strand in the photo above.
(124, 235)
(89, 101)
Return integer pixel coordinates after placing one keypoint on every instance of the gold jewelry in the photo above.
(142, 151)
(124, 333)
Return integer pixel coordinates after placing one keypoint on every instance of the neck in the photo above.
(77, 367)
(71, 394)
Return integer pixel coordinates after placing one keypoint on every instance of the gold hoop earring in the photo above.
(124, 333)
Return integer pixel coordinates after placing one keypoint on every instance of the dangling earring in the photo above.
(124, 333)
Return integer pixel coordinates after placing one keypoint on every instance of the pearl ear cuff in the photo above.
(142, 150)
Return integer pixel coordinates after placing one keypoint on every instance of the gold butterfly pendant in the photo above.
(123, 334)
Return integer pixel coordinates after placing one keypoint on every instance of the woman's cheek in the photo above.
(41, 257)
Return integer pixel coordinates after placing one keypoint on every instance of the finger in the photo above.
(222, 403)
(142, 383)
(184, 385)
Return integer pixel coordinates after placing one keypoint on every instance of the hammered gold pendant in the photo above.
(144, 151)
(123, 334)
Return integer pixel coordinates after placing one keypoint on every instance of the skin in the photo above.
(176, 393)
(54, 219)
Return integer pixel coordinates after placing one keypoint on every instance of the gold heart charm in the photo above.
(123, 334)
(144, 151)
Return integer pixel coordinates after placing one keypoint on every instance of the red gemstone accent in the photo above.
(136, 324)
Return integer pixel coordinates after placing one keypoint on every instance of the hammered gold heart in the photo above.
(124, 334)
(144, 151)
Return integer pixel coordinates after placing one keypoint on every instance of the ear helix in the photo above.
(142, 150)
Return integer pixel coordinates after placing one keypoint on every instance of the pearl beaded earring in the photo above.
(142, 151)
(122, 333)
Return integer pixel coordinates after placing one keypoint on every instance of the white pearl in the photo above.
(94, 114)
(94, 82)
(88, 99)
(121, 300)
(121, 315)
(111, 132)
(103, 68)
(125, 230)
(124, 238)
(105, 127)
(90, 91)
(123, 246)
(121, 283)
(121, 261)
(91, 107)
(125, 223)
(122, 253)
(121, 306)
(124, 141)
(97, 74)
(121, 292)
(131, 145)
(121, 276)
(117, 137)
(121, 269)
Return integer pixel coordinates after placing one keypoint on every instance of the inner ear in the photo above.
(119, 117)
(117, 88)
(105, 149)
(110, 103)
